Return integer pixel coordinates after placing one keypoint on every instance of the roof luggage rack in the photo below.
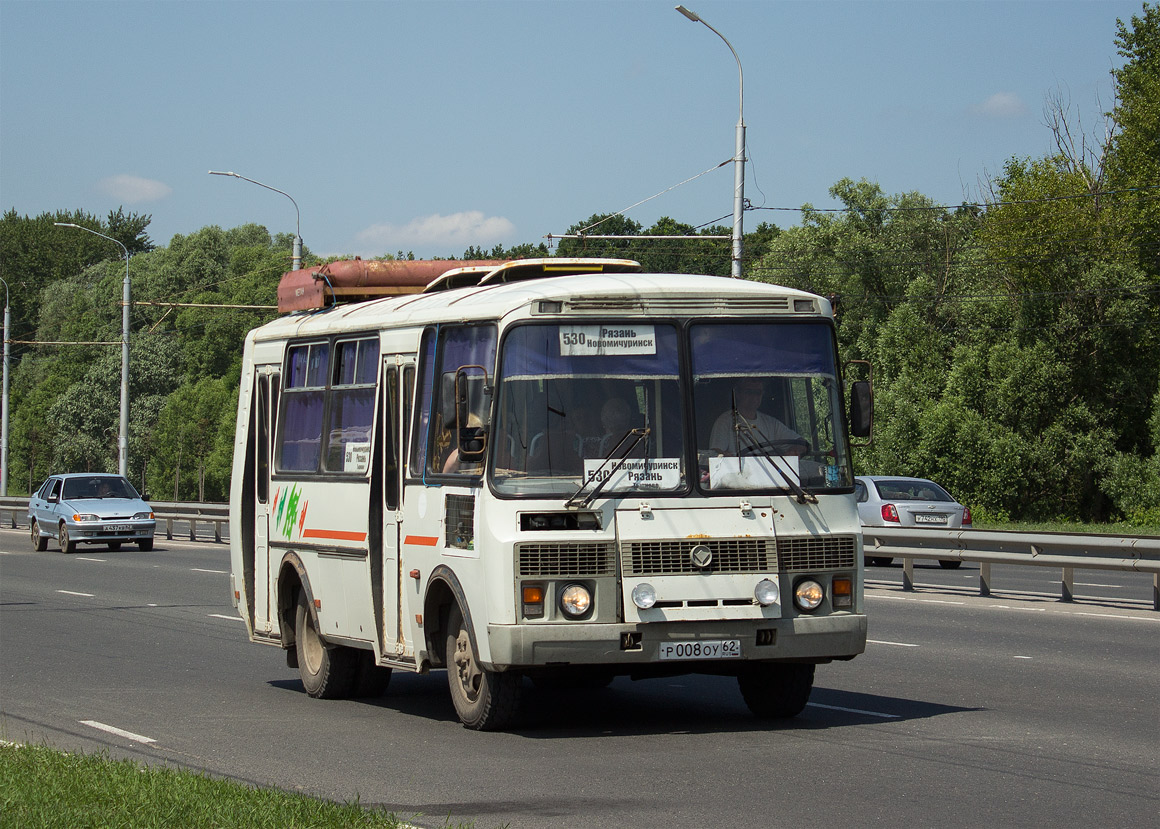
(358, 280)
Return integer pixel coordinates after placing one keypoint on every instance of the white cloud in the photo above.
(458, 231)
(134, 189)
(1001, 105)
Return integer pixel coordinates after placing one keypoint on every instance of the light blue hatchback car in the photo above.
(89, 508)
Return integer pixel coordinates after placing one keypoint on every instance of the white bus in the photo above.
(553, 470)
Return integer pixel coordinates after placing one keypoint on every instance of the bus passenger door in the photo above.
(266, 391)
(398, 384)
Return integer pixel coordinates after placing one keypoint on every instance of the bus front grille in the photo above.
(729, 555)
(835, 552)
(566, 559)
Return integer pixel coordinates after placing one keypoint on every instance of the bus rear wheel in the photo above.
(484, 700)
(776, 690)
(327, 671)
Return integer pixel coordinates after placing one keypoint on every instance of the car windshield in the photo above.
(911, 491)
(76, 489)
(582, 404)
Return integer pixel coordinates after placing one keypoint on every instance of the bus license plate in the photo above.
(716, 649)
(929, 519)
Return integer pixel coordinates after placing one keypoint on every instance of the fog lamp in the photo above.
(808, 595)
(644, 595)
(766, 593)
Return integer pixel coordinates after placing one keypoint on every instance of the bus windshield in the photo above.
(767, 409)
(605, 404)
(580, 402)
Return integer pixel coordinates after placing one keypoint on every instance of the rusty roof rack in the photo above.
(357, 280)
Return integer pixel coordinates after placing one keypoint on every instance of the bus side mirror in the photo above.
(471, 434)
(861, 409)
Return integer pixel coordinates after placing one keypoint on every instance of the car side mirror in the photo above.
(52, 499)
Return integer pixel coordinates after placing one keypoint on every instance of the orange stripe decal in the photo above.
(421, 540)
(334, 535)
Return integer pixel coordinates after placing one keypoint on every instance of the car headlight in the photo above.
(81, 517)
(575, 600)
(644, 595)
(141, 516)
(766, 593)
(808, 595)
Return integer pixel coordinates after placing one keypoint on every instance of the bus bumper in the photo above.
(804, 638)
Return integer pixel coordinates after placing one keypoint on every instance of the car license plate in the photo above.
(921, 518)
(715, 649)
(118, 528)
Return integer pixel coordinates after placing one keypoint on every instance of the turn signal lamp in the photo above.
(533, 596)
(842, 592)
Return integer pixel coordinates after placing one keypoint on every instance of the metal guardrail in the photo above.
(14, 513)
(1066, 552)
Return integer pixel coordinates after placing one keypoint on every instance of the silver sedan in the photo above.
(891, 501)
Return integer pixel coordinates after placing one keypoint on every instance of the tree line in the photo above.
(1015, 342)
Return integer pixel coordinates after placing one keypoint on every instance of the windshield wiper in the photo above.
(637, 434)
(753, 434)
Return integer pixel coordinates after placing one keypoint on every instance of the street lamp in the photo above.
(296, 259)
(739, 152)
(123, 437)
(4, 403)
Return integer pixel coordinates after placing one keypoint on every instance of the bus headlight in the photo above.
(644, 595)
(766, 593)
(575, 600)
(808, 595)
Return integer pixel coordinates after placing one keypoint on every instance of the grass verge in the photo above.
(42, 788)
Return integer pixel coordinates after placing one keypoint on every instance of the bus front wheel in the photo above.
(484, 700)
(327, 671)
(776, 690)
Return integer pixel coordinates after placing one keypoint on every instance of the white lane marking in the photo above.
(1092, 584)
(200, 570)
(85, 558)
(1024, 657)
(899, 644)
(854, 711)
(222, 616)
(1062, 612)
(128, 735)
(72, 593)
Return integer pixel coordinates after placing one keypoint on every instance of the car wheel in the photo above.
(950, 563)
(327, 671)
(39, 542)
(776, 690)
(146, 545)
(114, 545)
(67, 545)
(484, 700)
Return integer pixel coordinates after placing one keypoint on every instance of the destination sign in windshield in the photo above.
(598, 340)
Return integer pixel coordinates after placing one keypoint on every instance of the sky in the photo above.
(428, 127)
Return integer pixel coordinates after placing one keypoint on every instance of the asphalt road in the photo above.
(1011, 710)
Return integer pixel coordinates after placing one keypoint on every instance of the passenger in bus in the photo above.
(764, 432)
(615, 421)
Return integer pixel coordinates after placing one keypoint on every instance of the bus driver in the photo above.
(730, 429)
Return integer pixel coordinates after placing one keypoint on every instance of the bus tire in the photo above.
(39, 541)
(484, 700)
(371, 680)
(776, 690)
(327, 671)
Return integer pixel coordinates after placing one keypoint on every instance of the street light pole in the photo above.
(4, 402)
(296, 259)
(739, 149)
(123, 436)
